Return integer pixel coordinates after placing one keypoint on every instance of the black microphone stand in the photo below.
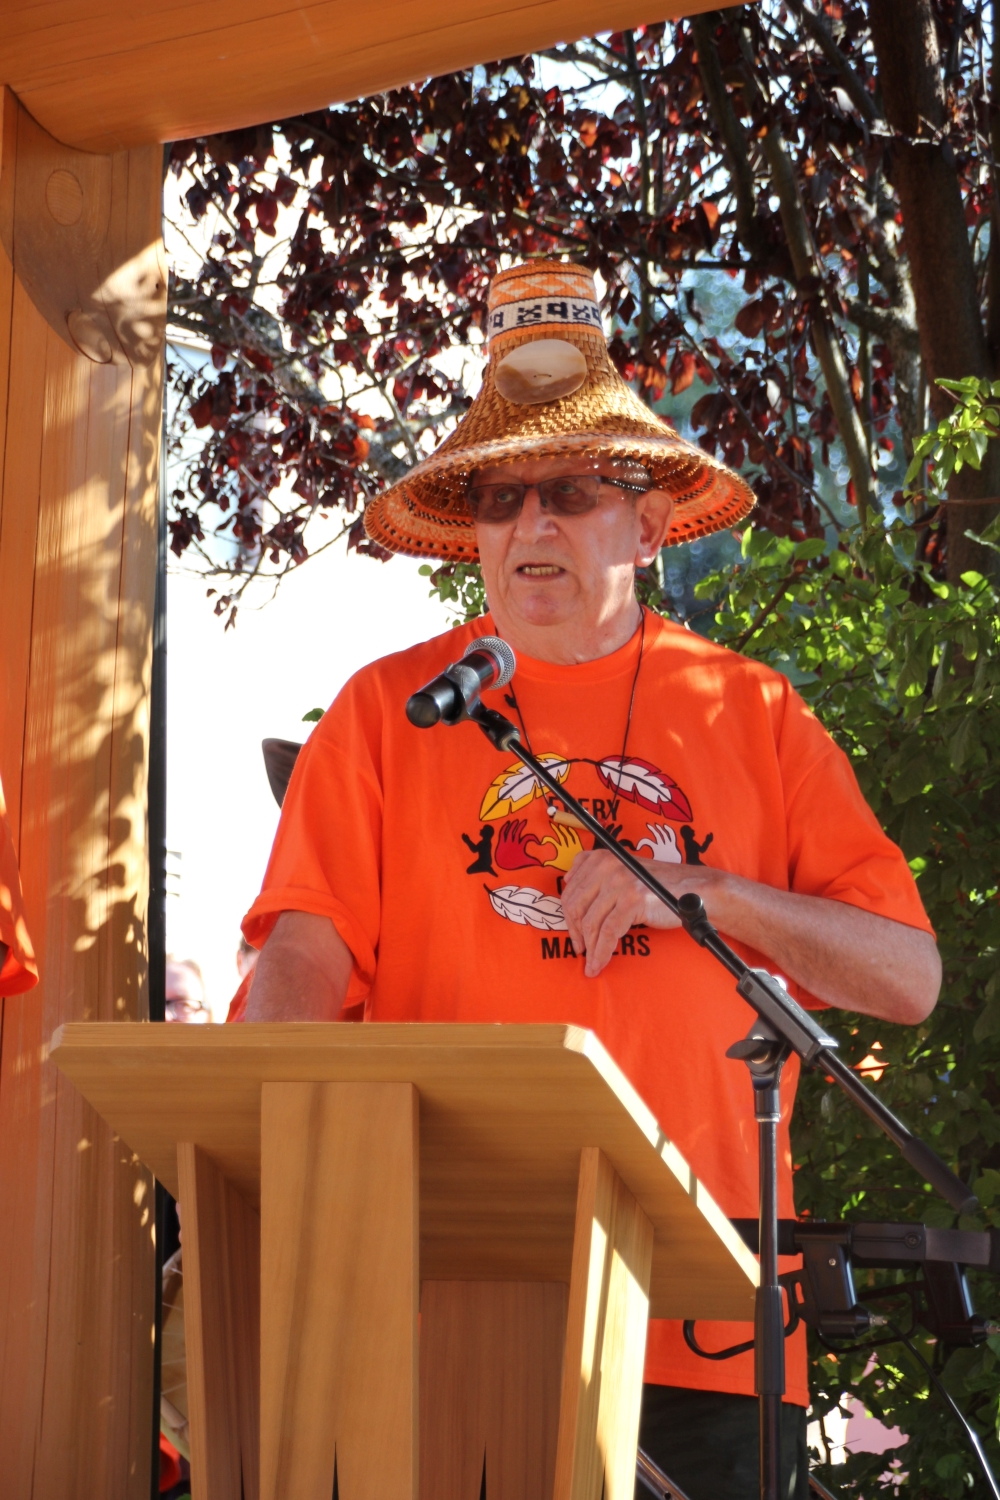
(782, 1027)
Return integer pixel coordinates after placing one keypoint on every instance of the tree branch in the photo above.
(821, 34)
(807, 266)
(885, 322)
(639, 102)
(734, 141)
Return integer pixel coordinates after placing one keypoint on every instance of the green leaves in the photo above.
(962, 437)
(964, 741)
(904, 671)
(460, 586)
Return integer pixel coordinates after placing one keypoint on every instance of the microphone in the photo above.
(488, 662)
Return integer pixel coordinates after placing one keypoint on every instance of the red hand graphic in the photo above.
(511, 852)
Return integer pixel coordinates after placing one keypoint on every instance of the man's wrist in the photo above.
(727, 898)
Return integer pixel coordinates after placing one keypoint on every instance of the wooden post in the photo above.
(339, 1291)
(82, 307)
(491, 1357)
(605, 1338)
(221, 1330)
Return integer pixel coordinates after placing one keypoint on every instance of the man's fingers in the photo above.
(601, 950)
(594, 918)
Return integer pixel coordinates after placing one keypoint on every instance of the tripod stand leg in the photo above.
(769, 1332)
(765, 1054)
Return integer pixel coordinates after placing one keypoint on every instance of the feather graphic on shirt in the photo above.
(517, 786)
(527, 907)
(653, 789)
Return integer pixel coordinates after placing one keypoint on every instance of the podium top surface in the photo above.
(504, 1114)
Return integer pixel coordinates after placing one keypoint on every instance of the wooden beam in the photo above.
(339, 1291)
(79, 451)
(605, 1338)
(104, 76)
(221, 1259)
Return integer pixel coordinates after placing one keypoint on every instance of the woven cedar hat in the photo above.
(550, 389)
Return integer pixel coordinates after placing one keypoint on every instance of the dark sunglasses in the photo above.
(568, 495)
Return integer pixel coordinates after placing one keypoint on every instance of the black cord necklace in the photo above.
(511, 700)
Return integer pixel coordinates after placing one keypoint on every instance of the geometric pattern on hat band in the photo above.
(543, 314)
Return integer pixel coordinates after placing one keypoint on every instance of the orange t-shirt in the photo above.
(438, 862)
(18, 971)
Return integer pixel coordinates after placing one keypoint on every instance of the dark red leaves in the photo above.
(267, 212)
(400, 207)
(358, 541)
(682, 371)
(754, 317)
(201, 410)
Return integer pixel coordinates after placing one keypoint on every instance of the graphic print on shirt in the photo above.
(535, 832)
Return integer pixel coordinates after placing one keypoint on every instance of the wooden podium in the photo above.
(481, 1217)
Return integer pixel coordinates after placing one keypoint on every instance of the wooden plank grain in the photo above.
(76, 1250)
(212, 1421)
(166, 72)
(605, 1338)
(504, 1114)
(339, 1291)
(491, 1358)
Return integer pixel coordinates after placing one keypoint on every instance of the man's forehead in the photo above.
(531, 470)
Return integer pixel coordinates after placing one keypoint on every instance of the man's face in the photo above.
(541, 568)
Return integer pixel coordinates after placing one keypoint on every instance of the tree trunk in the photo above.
(952, 337)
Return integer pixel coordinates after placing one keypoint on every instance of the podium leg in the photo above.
(491, 1357)
(605, 1338)
(221, 1330)
(339, 1289)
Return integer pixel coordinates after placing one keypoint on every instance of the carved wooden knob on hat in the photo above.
(544, 370)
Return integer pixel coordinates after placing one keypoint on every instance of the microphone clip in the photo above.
(501, 733)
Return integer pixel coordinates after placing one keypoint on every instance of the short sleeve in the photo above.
(836, 847)
(326, 857)
(18, 970)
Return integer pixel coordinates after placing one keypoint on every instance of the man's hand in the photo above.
(601, 900)
(302, 973)
(841, 954)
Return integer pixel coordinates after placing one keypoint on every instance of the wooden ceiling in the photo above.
(105, 74)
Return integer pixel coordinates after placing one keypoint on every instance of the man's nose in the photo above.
(533, 519)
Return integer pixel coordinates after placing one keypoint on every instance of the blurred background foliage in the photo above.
(904, 671)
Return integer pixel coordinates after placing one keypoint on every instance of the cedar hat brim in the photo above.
(425, 514)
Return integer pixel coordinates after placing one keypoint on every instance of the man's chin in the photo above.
(543, 591)
(543, 611)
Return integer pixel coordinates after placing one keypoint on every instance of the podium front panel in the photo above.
(505, 1112)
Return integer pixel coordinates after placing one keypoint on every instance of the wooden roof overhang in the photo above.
(102, 75)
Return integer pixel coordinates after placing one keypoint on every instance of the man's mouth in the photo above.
(539, 570)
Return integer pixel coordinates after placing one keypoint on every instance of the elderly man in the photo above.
(421, 877)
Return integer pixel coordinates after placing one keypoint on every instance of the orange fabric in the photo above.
(170, 1465)
(441, 871)
(238, 1004)
(18, 970)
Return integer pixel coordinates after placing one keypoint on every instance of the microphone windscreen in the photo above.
(500, 651)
